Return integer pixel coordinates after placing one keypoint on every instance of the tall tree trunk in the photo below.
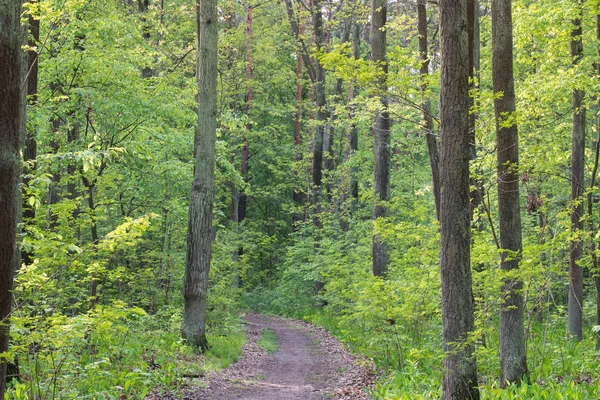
(474, 54)
(12, 129)
(199, 236)
(352, 93)
(460, 367)
(513, 353)
(320, 117)
(297, 195)
(30, 145)
(577, 167)
(381, 129)
(90, 187)
(432, 145)
(245, 147)
(596, 270)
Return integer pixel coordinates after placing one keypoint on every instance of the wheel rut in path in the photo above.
(308, 365)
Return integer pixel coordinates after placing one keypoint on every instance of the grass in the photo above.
(268, 341)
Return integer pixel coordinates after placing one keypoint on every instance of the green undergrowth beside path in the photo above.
(269, 341)
(408, 351)
(559, 369)
(115, 352)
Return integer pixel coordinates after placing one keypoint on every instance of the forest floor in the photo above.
(309, 364)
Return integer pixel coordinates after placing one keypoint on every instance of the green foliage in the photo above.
(268, 340)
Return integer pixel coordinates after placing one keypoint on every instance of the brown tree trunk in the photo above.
(577, 168)
(320, 117)
(242, 206)
(460, 367)
(596, 270)
(200, 235)
(432, 145)
(352, 93)
(30, 145)
(297, 195)
(381, 129)
(513, 353)
(90, 186)
(12, 129)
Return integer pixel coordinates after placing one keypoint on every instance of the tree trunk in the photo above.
(30, 145)
(320, 117)
(297, 195)
(513, 353)
(352, 93)
(199, 236)
(90, 186)
(596, 271)
(242, 205)
(432, 145)
(381, 129)
(12, 128)
(577, 168)
(460, 367)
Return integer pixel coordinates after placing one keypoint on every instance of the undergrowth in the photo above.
(113, 352)
(268, 341)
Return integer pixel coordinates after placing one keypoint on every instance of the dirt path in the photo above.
(309, 365)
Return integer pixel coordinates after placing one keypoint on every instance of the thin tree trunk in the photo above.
(90, 187)
(30, 145)
(381, 129)
(352, 93)
(460, 367)
(245, 147)
(575, 304)
(297, 195)
(200, 232)
(513, 353)
(596, 270)
(320, 117)
(12, 130)
(590, 205)
(432, 145)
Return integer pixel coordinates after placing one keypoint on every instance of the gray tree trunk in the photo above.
(590, 209)
(199, 237)
(352, 93)
(460, 366)
(12, 129)
(513, 354)
(577, 167)
(381, 128)
(432, 145)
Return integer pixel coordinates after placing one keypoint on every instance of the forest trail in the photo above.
(309, 364)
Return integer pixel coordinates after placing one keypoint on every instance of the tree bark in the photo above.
(596, 271)
(320, 117)
(12, 129)
(381, 128)
(513, 353)
(460, 367)
(432, 145)
(352, 93)
(242, 205)
(30, 145)
(575, 302)
(200, 236)
(297, 195)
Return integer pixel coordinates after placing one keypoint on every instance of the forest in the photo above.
(417, 177)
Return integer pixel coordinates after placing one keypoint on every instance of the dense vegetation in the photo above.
(109, 162)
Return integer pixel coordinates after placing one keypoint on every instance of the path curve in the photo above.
(309, 365)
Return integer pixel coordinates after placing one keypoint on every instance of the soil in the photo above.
(308, 365)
